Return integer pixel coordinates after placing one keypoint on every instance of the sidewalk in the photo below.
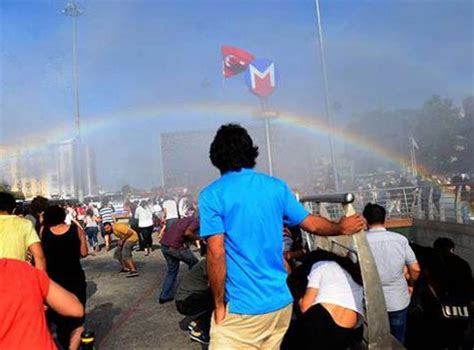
(124, 312)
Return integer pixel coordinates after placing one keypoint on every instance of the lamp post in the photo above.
(73, 11)
(326, 95)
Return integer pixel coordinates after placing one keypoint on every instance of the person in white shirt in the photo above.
(144, 215)
(157, 209)
(170, 207)
(332, 305)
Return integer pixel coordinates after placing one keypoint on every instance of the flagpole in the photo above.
(326, 95)
(160, 159)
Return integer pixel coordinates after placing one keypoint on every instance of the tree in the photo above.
(467, 135)
(126, 190)
(437, 134)
(4, 187)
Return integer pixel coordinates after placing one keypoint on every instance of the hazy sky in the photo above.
(137, 58)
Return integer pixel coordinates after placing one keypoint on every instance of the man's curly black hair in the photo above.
(232, 149)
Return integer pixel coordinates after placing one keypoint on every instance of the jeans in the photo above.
(398, 324)
(91, 233)
(173, 258)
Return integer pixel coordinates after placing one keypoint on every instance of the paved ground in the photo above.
(125, 313)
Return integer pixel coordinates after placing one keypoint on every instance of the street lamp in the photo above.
(73, 11)
(326, 95)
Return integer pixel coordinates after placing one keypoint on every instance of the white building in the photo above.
(49, 171)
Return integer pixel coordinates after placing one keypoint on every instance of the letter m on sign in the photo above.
(262, 78)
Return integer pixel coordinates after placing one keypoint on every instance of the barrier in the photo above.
(448, 203)
(376, 325)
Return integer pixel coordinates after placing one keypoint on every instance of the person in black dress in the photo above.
(64, 245)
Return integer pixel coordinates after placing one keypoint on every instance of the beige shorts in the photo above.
(238, 331)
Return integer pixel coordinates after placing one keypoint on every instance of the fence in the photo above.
(446, 203)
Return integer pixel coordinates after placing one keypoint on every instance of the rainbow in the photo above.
(169, 116)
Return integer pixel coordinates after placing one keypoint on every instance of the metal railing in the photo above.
(376, 324)
(445, 203)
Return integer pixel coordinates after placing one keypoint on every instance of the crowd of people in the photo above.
(255, 285)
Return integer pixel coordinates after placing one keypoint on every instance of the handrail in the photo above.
(343, 198)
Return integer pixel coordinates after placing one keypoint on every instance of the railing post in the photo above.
(430, 213)
(442, 212)
(323, 242)
(419, 210)
(457, 205)
(407, 208)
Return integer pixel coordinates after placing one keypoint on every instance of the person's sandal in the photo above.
(132, 274)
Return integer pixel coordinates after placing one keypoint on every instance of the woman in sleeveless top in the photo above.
(63, 246)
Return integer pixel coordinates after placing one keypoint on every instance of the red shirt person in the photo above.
(24, 291)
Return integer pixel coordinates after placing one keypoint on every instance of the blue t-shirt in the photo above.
(248, 207)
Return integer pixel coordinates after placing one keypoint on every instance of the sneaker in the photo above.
(124, 271)
(192, 325)
(132, 274)
(200, 337)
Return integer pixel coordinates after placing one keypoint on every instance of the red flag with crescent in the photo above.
(234, 60)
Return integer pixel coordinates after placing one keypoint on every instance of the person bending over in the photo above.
(332, 304)
(123, 253)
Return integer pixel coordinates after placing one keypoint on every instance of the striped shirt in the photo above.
(106, 215)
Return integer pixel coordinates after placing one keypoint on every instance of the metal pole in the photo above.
(74, 11)
(77, 118)
(269, 147)
(326, 93)
(160, 156)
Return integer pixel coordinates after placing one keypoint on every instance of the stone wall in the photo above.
(425, 233)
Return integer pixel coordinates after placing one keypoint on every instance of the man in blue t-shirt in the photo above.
(241, 215)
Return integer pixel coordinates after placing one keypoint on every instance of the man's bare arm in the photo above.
(37, 251)
(323, 227)
(414, 272)
(216, 269)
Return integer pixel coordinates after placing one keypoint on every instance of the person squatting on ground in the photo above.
(17, 235)
(175, 250)
(194, 298)
(24, 291)
(242, 217)
(64, 245)
(123, 252)
(393, 256)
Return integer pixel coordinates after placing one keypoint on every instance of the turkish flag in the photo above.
(234, 60)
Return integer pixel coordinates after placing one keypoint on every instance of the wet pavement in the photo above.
(124, 312)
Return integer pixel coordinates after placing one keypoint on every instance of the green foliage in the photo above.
(7, 188)
(436, 132)
(445, 136)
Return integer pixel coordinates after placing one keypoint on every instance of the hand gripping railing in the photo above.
(377, 328)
